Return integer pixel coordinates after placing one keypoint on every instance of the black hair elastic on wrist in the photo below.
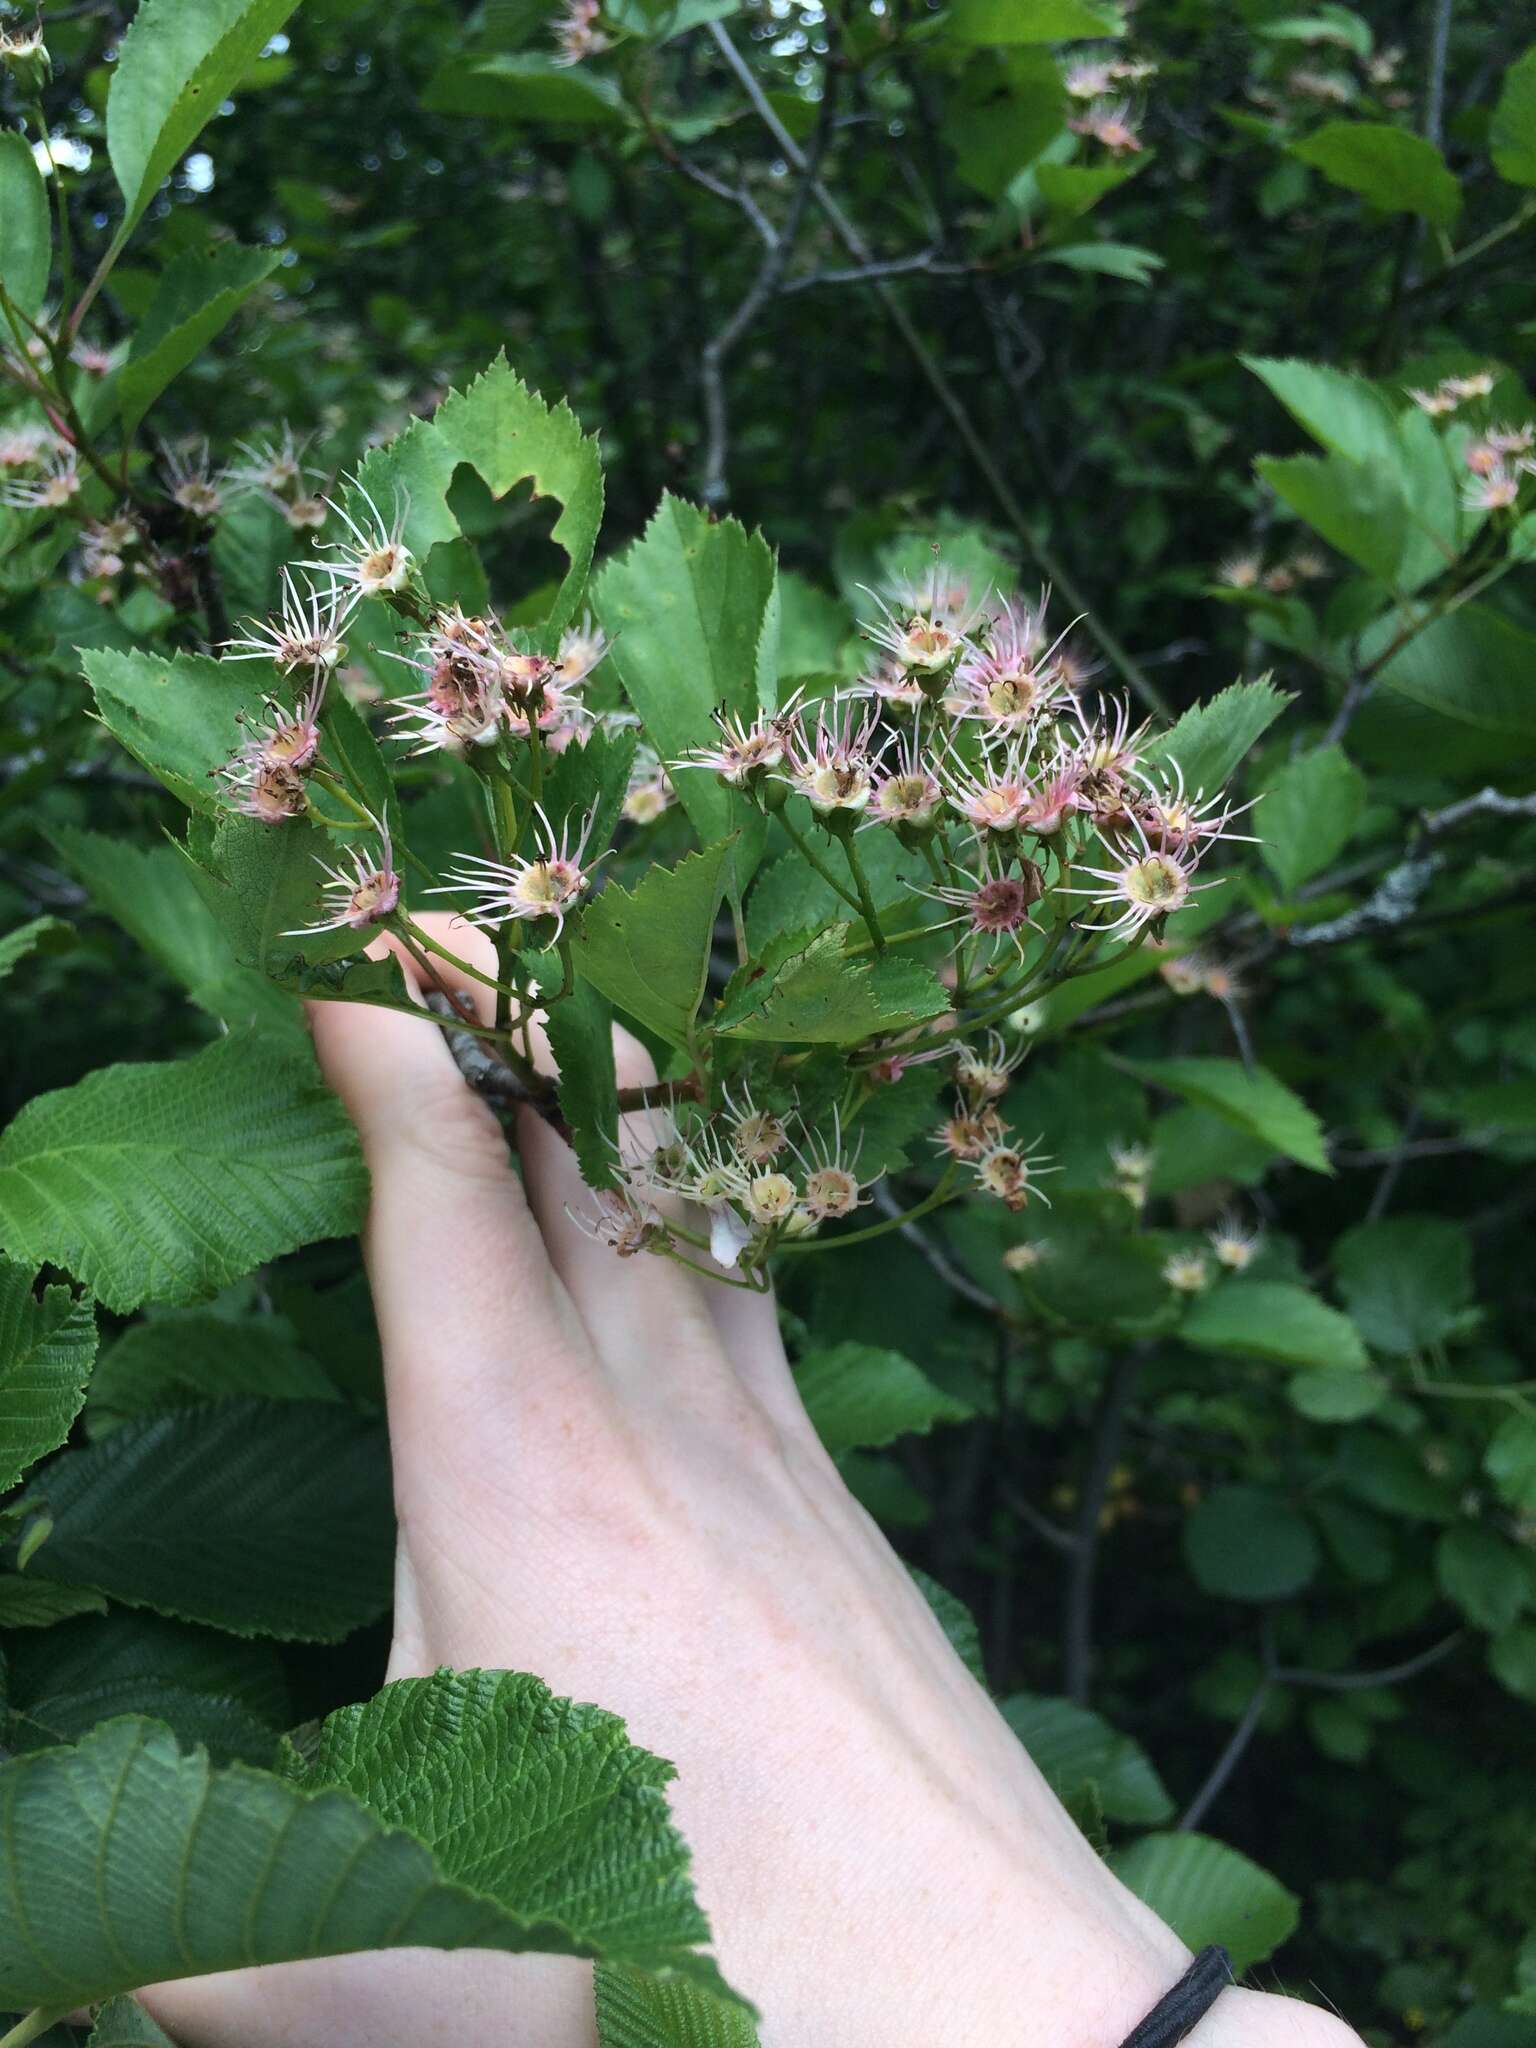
(1186, 2004)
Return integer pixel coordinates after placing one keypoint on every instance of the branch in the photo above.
(945, 392)
(949, 1272)
(1231, 1756)
(1109, 1426)
(928, 261)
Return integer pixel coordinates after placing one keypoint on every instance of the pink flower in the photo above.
(359, 894)
(834, 769)
(528, 890)
(305, 634)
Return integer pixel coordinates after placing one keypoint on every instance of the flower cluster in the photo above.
(277, 471)
(576, 31)
(267, 775)
(478, 684)
(977, 1136)
(758, 1177)
(1106, 117)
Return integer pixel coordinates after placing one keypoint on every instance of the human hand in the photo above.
(604, 1475)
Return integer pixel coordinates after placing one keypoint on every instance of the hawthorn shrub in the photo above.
(1070, 867)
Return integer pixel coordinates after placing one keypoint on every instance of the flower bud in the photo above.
(25, 55)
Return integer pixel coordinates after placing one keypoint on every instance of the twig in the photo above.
(945, 392)
(1392, 1171)
(1486, 802)
(1434, 90)
(1109, 1426)
(928, 261)
(957, 1281)
(1363, 1681)
(1393, 902)
(1048, 1531)
(1231, 1756)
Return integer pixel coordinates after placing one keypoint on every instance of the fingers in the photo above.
(462, 1288)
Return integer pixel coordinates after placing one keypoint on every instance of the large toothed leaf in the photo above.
(166, 1181)
(527, 1799)
(636, 2011)
(693, 612)
(509, 436)
(1391, 167)
(178, 63)
(25, 247)
(132, 1863)
(647, 951)
(123, 2023)
(47, 1344)
(179, 717)
(1276, 1320)
(580, 1031)
(263, 1518)
(1082, 1756)
(197, 295)
(819, 994)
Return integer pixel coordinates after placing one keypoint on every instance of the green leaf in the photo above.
(261, 884)
(636, 2011)
(1031, 21)
(508, 435)
(262, 1518)
(179, 717)
(1347, 414)
(1483, 1574)
(532, 1801)
(648, 951)
(33, 1603)
(1247, 1543)
(155, 1865)
(1510, 1461)
(1106, 259)
(25, 239)
(167, 1181)
(953, 1616)
(821, 995)
(123, 2023)
(178, 63)
(125, 1662)
(1075, 1748)
(1475, 666)
(1512, 1660)
(580, 1032)
(1274, 1319)
(523, 87)
(1512, 131)
(1254, 1101)
(1209, 1893)
(1355, 508)
(1396, 170)
(860, 1397)
(182, 1357)
(1324, 1396)
(1406, 1280)
(686, 606)
(1309, 812)
(47, 1344)
(1211, 739)
(152, 893)
(998, 139)
(197, 295)
(39, 934)
(1071, 190)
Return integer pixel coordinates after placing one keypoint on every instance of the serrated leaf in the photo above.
(529, 1800)
(183, 1357)
(1274, 1319)
(508, 435)
(152, 894)
(1407, 1279)
(1355, 508)
(1249, 1543)
(580, 1033)
(197, 294)
(25, 238)
(131, 1863)
(956, 1620)
(166, 1181)
(647, 950)
(636, 2011)
(1309, 811)
(1512, 1660)
(1391, 167)
(1209, 1893)
(38, 935)
(821, 995)
(860, 1396)
(1075, 1748)
(1211, 739)
(519, 86)
(179, 717)
(1255, 1101)
(47, 1344)
(1512, 131)
(1106, 259)
(261, 884)
(123, 2023)
(686, 605)
(1510, 1461)
(53, 1676)
(1345, 413)
(1475, 666)
(1484, 1574)
(175, 67)
(262, 1518)
(33, 1603)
